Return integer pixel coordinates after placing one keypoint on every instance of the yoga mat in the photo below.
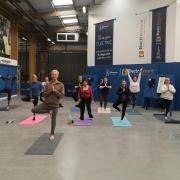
(75, 109)
(168, 121)
(117, 122)
(43, 146)
(11, 107)
(85, 122)
(107, 111)
(130, 112)
(30, 121)
(177, 136)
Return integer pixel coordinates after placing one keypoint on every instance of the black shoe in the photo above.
(91, 116)
(34, 118)
(81, 118)
(77, 105)
(60, 105)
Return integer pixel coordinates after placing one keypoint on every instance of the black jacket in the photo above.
(126, 93)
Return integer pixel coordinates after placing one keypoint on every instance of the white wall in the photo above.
(125, 31)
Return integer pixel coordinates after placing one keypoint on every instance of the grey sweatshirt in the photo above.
(52, 98)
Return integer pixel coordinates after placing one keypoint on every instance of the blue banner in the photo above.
(104, 43)
(159, 35)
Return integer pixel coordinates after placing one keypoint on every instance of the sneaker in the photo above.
(133, 110)
(34, 118)
(166, 118)
(51, 137)
(81, 118)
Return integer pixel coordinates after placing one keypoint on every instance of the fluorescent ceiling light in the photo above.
(48, 39)
(23, 38)
(84, 9)
(62, 2)
(70, 21)
(68, 16)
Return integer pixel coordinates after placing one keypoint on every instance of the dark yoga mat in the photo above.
(11, 107)
(43, 146)
(168, 121)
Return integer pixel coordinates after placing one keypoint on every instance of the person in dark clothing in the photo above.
(123, 98)
(85, 97)
(8, 84)
(104, 90)
(35, 90)
(76, 88)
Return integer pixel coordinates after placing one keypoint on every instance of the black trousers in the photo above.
(85, 102)
(146, 102)
(8, 92)
(35, 101)
(167, 104)
(124, 106)
(103, 99)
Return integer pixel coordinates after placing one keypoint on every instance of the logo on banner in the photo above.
(111, 73)
(158, 36)
(141, 38)
(124, 72)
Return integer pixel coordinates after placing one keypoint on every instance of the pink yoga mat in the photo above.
(30, 121)
(85, 122)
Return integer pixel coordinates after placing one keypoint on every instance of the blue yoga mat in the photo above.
(74, 109)
(130, 112)
(117, 122)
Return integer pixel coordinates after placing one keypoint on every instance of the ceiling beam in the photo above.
(56, 14)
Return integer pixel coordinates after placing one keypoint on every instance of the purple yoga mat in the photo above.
(85, 122)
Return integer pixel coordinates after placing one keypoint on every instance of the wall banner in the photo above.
(104, 43)
(159, 35)
(143, 29)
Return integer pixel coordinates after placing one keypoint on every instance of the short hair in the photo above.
(34, 75)
(55, 70)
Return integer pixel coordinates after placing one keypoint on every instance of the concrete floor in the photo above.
(150, 150)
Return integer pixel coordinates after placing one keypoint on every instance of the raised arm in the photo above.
(172, 89)
(140, 74)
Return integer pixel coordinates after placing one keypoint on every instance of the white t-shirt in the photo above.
(166, 93)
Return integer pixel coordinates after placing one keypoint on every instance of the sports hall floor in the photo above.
(150, 150)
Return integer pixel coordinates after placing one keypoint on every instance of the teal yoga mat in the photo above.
(130, 112)
(117, 122)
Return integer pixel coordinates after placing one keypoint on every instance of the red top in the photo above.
(85, 93)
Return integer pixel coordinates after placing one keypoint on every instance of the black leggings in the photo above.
(167, 104)
(8, 92)
(124, 106)
(133, 99)
(35, 101)
(103, 98)
(85, 102)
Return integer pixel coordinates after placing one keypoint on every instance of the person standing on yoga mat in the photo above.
(8, 84)
(52, 93)
(76, 89)
(167, 95)
(46, 81)
(123, 98)
(104, 90)
(134, 86)
(35, 89)
(85, 97)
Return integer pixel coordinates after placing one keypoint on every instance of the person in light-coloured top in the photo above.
(134, 86)
(167, 95)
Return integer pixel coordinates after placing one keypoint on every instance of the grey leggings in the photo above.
(44, 108)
